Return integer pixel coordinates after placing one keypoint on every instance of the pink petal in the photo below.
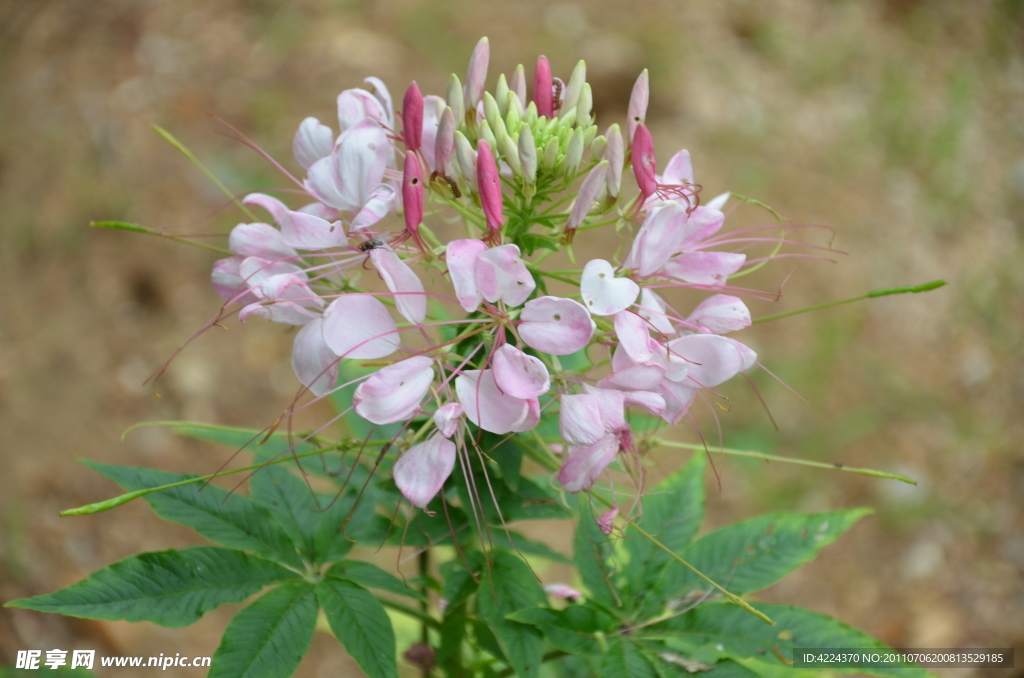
(613, 407)
(421, 471)
(444, 144)
(359, 326)
(542, 89)
(410, 298)
(650, 401)
(313, 361)
(490, 186)
(228, 281)
(635, 377)
(356, 105)
(447, 418)
(748, 358)
(412, 192)
(532, 418)
(300, 229)
(705, 268)
(720, 314)
(615, 154)
(487, 406)
(394, 393)
(433, 107)
(255, 270)
(605, 521)
(290, 300)
(718, 202)
(679, 169)
(579, 421)
(518, 374)
(603, 293)
(412, 117)
(644, 164)
(562, 591)
(704, 222)
(659, 239)
(461, 257)
(712, 359)
(346, 178)
(380, 203)
(653, 308)
(678, 398)
(555, 325)
(312, 142)
(586, 464)
(634, 337)
(383, 97)
(501, 274)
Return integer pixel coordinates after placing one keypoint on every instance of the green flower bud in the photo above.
(453, 97)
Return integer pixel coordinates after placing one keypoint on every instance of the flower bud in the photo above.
(528, 155)
(510, 152)
(644, 163)
(574, 152)
(490, 189)
(412, 192)
(592, 186)
(514, 105)
(466, 156)
(575, 87)
(514, 118)
(453, 97)
(531, 113)
(412, 117)
(597, 148)
(444, 145)
(584, 105)
(518, 84)
(569, 119)
(637, 112)
(543, 93)
(476, 76)
(615, 154)
(550, 158)
(484, 132)
(491, 112)
(501, 94)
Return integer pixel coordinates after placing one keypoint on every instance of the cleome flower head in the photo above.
(474, 331)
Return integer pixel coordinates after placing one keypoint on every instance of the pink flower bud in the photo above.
(644, 163)
(412, 117)
(518, 84)
(604, 523)
(412, 192)
(637, 111)
(444, 146)
(543, 94)
(476, 76)
(490, 189)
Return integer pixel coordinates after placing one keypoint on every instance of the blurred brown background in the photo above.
(900, 123)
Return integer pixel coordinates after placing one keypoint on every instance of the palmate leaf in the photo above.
(170, 588)
(228, 519)
(743, 636)
(625, 659)
(359, 621)
(268, 638)
(573, 629)
(508, 586)
(370, 576)
(756, 553)
(673, 512)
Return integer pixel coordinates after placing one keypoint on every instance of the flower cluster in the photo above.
(527, 175)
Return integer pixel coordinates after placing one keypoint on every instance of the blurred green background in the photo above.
(899, 123)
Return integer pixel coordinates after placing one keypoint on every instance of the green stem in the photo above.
(124, 226)
(169, 138)
(553, 276)
(909, 289)
(788, 460)
(425, 619)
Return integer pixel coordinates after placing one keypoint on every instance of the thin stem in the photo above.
(909, 289)
(553, 276)
(124, 226)
(169, 138)
(425, 619)
(788, 460)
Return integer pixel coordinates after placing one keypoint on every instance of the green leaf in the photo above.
(370, 576)
(571, 630)
(625, 660)
(500, 538)
(756, 553)
(170, 588)
(486, 640)
(744, 636)
(459, 582)
(292, 502)
(269, 638)
(507, 453)
(453, 631)
(226, 518)
(359, 621)
(508, 586)
(592, 554)
(673, 512)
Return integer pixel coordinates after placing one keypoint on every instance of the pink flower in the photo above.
(478, 272)
(518, 374)
(355, 168)
(490, 408)
(594, 425)
(562, 591)
(555, 325)
(720, 314)
(605, 522)
(300, 230)
(312, 142)
(447, 418)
